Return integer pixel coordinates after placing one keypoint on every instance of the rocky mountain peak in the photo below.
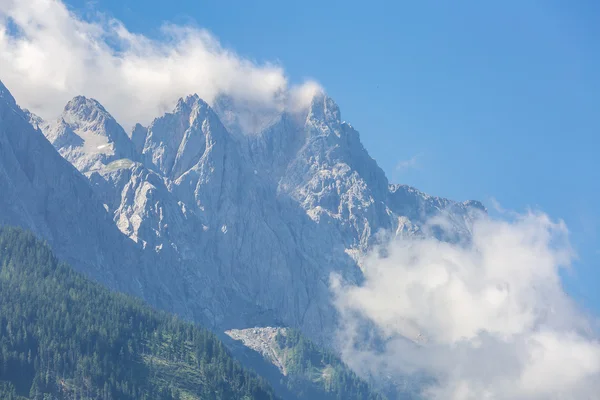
(88, 136)
(87, 114)
(185, 105)
(324, 109)
(85, 105)
(175, 141)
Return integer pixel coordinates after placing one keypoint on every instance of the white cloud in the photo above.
(48, 55)
(488, 319)
(411, 163)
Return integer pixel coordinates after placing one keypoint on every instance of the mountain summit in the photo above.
(88, 136)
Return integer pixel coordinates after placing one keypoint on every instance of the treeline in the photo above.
(65, 337)
(310, 366)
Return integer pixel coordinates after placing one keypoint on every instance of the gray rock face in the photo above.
(138, 137)
(227, 228)
(42, 192)
(258, 249)
(88, 136)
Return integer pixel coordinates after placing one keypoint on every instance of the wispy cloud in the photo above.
(48, 55)
(486, 320)
(411, 163)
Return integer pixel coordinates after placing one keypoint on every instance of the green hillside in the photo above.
(65, 337)
(305, 370)
(313, 371)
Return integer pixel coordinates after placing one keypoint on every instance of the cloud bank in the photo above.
(49, 55)
(485, 320)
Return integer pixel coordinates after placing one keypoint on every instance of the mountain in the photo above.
(254, 222)
(65, 337)
(226, 227)
(42, 192)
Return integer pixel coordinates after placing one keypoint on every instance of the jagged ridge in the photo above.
(246, 228)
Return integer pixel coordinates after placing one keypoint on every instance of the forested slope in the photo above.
(65, 337)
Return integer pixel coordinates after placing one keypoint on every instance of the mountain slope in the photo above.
(43, 193)
(307, 370)
(66, 336)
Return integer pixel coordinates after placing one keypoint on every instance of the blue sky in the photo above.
(465, 100)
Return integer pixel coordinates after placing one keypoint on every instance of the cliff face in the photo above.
(44, 193)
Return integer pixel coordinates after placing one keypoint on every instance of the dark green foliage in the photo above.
(64, 337)
(312, 371)
(8, 392)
